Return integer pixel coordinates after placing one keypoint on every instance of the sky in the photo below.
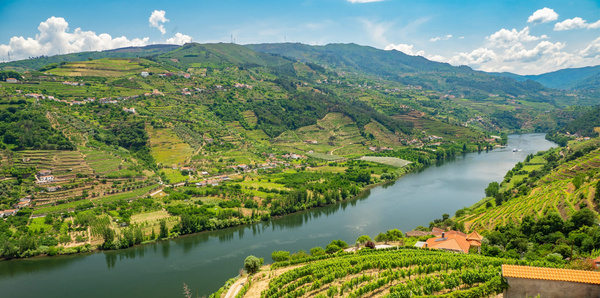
(523, 37)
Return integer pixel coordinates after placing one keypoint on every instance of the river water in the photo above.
(205, 261)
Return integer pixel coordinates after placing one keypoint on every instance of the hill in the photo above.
(242, 135)
(220, 135)
(587, 125)
(569, 78)
(128, 52)
(409, 70)
(220, 55)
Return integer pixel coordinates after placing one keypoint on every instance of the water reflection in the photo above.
(111, 260)
(20, 266)
(166, 247)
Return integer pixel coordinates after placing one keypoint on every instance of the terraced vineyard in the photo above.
(108, 165)
(334, 134)
(397, 272)
(553, 192)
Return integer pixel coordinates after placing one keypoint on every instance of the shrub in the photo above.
(280, 255)
(317, 251)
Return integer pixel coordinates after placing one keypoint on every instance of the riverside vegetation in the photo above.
(545, 213)
(113, 152)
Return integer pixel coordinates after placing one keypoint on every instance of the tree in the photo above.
(252, 264)
(280, 255)
(332, 248)
(395, 234)
(363, 239)
(48, 219)
(164, 231)
(583, 217)
(381, 237)
(492, 189)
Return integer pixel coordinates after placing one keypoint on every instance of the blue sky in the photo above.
(525, 37)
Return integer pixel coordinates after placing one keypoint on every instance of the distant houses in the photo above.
(213, 181)
(23, 202)
(12, 80)
(44, 177)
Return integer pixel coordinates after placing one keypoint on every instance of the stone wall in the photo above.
(523, 288)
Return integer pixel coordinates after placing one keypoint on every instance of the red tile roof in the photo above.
(453, 241)
(580, 276)
(475, 236)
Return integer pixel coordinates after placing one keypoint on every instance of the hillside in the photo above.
(408, 70)
(394, 272)
(222, 137)
(543, 184)
(129, 52)
(220, 55)
(570, 78)
(205, 137)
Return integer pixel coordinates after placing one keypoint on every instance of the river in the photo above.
(205, 261)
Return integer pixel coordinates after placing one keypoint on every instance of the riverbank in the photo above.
(175, 230)
(205, 260)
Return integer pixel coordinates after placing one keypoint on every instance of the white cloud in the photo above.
(441, 38)
(54, 38)
(595, 25)
(592, 50)
(437, 58)
(519, 53)
(476, 57)
(180, 39)
(543, 15)
(157, 20)
(505, 38)
(364, 1)
(575, 23)
(404, 48)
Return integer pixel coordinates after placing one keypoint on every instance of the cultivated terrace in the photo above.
(113, 152)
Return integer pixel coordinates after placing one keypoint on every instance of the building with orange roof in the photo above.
(528, 281)
(475, 236)
(454, 241)
(474, 240)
